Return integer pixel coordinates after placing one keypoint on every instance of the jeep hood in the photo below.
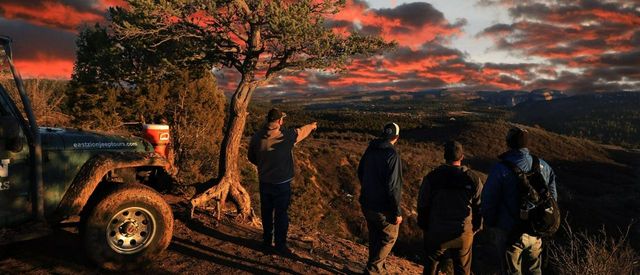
(80, 140)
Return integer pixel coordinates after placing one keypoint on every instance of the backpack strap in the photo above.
(518, 173)
(512, 166)
(541, 187)
(535, 164)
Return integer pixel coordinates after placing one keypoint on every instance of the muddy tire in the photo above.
(127, 228)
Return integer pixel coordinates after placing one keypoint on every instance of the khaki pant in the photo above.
(437, 243)
(382, 237)
(520, 256)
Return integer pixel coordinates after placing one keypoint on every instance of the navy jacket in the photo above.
(380, 175)
(500, 200)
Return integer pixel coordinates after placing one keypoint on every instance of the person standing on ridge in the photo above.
(502, 204)
(271, 150)
(380, 175)
(449, 211)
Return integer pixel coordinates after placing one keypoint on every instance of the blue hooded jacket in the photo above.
(500, 200)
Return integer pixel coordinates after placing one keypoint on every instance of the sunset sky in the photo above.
(574, 46)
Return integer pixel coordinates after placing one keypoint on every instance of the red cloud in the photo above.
(45, 68)
(397, 24)
(42, 16)
(421, 62)
(50, 14)
(581, 35)
(104, 4)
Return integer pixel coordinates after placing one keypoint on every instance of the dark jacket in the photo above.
(500, 199)
(270, 150)
(449, 200)
(380, 175)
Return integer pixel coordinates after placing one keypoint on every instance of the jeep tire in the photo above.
(127, 228)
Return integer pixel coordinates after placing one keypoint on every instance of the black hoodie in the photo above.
(380, 175)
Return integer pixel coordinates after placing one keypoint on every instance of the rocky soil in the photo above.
(202, 246)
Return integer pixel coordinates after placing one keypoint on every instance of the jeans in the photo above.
(522, 255)
(274, 206)
(437, 243)
(382, 237)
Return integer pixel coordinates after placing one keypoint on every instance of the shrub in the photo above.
(594, 254)
(46, 98)
(191, 105)
(195, 110)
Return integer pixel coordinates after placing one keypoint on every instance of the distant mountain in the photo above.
(515, 97)
(612, 118)
(507, 98)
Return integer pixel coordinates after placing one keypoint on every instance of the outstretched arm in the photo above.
(304, 131)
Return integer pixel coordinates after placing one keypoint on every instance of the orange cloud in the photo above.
(391, 24)
(415, 65)
(104, 4)
(50, 14)
(45, 68)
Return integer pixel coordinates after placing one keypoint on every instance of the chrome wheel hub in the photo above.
(131, 230)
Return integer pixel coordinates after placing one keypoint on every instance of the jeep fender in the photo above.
(92, 172)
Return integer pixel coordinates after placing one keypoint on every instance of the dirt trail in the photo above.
(201, 246)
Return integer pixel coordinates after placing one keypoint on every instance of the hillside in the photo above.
(598, 185)
(612, 118)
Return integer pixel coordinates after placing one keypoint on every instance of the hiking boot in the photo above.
(285, 251)
(267, 248)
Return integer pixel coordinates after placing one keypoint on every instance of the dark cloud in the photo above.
(624, 59)
(34, 42)
(80, 5)
(598, 38)
(414, 14)
(406, 54)
(411, 24)
(66, 14)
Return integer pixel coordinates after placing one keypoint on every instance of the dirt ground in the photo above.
(202, 246)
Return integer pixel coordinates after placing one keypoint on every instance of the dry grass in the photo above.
(594, 254)
(47, 97)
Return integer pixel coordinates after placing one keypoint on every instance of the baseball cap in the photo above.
(390, 130)
(275, 114)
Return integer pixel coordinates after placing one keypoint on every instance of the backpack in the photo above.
(539, 213)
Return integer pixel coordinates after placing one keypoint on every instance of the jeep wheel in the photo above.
(127, 228)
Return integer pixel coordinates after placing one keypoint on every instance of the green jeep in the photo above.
(52, 175)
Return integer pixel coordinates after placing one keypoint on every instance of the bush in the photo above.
(195, 110)
(192, 106)
(594, 254)
(46, 98)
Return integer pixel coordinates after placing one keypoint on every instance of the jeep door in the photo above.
(15, 171)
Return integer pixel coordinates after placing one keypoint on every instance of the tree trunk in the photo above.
(228, 183)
